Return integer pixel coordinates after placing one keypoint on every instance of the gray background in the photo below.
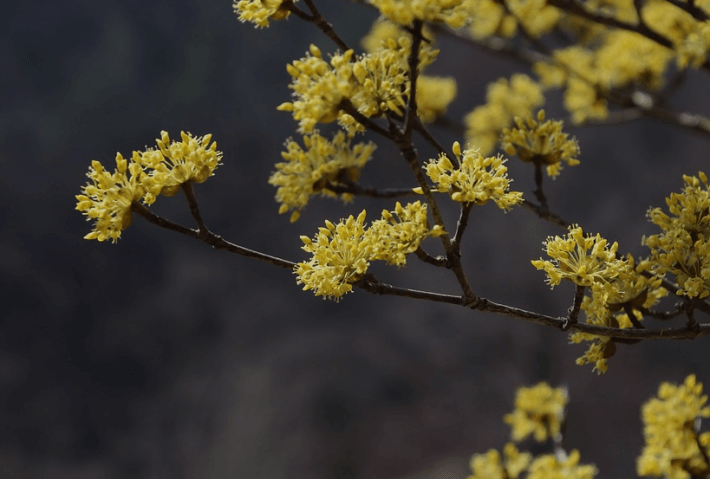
(157, 357)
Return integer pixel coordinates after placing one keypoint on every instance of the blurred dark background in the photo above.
(157, 357)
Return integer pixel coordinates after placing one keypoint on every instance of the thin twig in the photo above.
(573, 313)
(461, 227)
(194, 206)
(539, 193)
(316, 19)
(356, 189)
(403, 140)
(439, 261)
(210, 238)
(373, 286)
(545, 214)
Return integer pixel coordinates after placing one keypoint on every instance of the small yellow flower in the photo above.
(683, 246)
(392, 239)
(539, 410)
(259, 12)
(454, 13)
(670, 429)
(174, 163)
(434, 95)
(505, 99)
(584, 260)
(341, 256)
(478, 180)
(374, 83)
(549, 466)
(541, 142)
(107, 199)
(310, 171)
(608, 305)
(487, 466)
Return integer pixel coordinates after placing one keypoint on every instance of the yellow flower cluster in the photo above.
(584, 260)
(549, 466)
(259, 12)
(607, 307)
(374, 83)
(340, 257)
(454, 13)
(504, 101)
(605, 59)
(540, 411)
(490, 18)
(394, 238)
(541, 143)
(673, 442)
(108, 198)
(492, 466)
(312, 170)
(683, 247)
(478, 179)
(690, 37)
(575, 70)
(434, 94)
(341, 253)
(174, 163)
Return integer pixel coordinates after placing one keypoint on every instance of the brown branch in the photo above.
(545, 214)
(425, 257)
(573, 313)
(371, 285)
(461, 227)
(316, 19)
(355, 189)
(210, 238)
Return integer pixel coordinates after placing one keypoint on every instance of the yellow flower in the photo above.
(539, 410)
(683, 246)
(454, 13)
(382, 30)
(341, 256)
(478, 180)
(575, 68)
(504, 101)
(607, 307)
(259, 12)
(541, 143)
(374, 83)
(690, 37)
(670, 428)
(487, 466)
(322, 164)
(174, 163)
(392, 239)
(549, 466)
(107, 199)
(319, 87)
(434, 94)
(584, 260)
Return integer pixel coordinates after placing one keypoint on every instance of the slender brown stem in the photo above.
(439, 261)
(356, 189)
(373, 286)
(545, 214)
(316, 19)
(461, 227)
(194, 206)
(210, 238)
(574, 310)
(350, 109)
